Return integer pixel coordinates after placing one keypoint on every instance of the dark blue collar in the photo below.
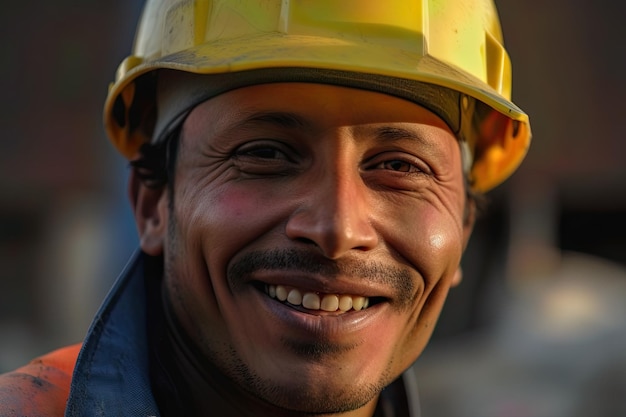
(111, 376)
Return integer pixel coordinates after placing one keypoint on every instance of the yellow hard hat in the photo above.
(407, 48)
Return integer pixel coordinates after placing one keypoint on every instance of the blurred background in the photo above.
(537, 328)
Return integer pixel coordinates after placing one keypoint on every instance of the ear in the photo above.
(151, 210)
(468, 226)
(469, 220)
(457, 278)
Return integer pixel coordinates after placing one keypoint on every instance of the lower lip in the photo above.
(323, 325)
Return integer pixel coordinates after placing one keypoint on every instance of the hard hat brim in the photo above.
(278, 50)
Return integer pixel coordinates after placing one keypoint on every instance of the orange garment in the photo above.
(40, 388)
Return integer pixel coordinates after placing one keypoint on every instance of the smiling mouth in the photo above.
(338, 303)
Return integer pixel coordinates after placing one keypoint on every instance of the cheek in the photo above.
(432, 244)
(432, 241)
(212, 226)
(225, 220)
(208, 212)
(235, 204)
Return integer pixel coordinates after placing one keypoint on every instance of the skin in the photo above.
(323, 188)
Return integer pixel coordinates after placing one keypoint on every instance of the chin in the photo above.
(322, 398)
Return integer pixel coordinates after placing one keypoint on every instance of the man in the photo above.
(304, 182)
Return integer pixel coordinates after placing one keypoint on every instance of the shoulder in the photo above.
(40, 387)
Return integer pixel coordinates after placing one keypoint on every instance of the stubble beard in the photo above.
(308, 397)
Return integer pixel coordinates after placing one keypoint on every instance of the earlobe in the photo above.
(468, 227)
(151, 214)
(468, 221)
(458, 277)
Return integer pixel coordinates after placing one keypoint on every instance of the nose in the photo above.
(336, 216)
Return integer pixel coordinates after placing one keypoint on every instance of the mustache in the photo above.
(399, 278)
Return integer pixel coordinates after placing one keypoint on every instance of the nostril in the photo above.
(305, 240)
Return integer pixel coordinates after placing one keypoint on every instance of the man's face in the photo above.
(331, 197)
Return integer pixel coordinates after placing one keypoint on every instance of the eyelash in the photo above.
(411, 167)
(259, 153)
(255, 150)
(413, 164)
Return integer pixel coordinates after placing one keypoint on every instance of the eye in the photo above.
(261, 151)
(400, 162)
(397, 165)
(265, 158)
(397, 170)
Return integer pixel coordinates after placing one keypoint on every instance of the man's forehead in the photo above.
(313, 108)
(282, 109)
(296, 104)
(179, 92)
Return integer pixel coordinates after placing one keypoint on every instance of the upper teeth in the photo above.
(316, 301)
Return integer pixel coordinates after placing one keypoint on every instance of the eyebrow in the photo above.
(397, 133)
(276, 118)
(250, 119)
